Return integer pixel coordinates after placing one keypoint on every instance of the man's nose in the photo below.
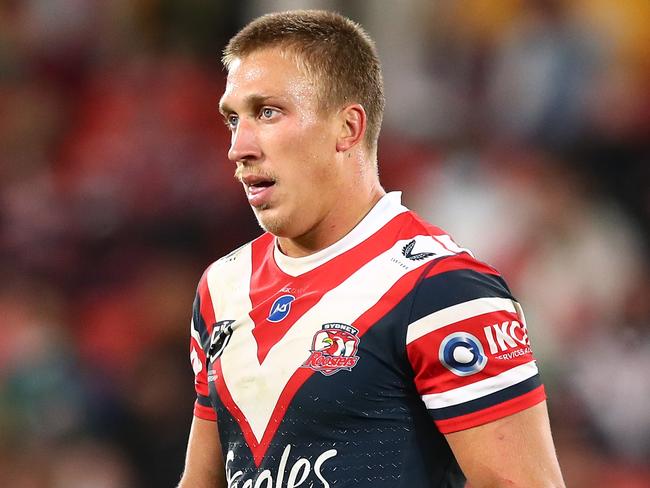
(243, 143)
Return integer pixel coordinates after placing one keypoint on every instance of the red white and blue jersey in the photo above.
(346, 367)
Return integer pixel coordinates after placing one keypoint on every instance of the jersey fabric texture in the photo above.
(346, 367)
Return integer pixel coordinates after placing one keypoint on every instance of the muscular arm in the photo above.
(516, 451)
(204, 466)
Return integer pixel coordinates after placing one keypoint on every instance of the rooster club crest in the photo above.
(334, 348)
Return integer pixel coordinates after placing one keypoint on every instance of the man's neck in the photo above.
(333, 228)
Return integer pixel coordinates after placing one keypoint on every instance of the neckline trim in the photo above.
(388, 207)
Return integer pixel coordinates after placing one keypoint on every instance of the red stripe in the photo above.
(203, 412)
(207, 308)
(493, 413)
(461, 261)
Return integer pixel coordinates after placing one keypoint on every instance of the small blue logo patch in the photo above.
(462, 354)
(280, 308)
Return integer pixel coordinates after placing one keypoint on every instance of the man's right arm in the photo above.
(204, 467)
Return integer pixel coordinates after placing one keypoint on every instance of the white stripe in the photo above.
(481, 388)
(194, 333)
(456, 313)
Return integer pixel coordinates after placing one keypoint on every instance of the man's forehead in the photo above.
(264, 74)
(267, 62)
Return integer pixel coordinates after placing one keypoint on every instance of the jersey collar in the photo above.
(388, 207)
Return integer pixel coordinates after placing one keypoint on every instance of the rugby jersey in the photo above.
(347, 367)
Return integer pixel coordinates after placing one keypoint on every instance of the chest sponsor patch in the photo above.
(334, 348)
(280, 308)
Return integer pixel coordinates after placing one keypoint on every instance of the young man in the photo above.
(352, 344)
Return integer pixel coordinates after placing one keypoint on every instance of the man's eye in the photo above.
(231, 121)
(267, 113)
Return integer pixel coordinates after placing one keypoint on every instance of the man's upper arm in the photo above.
(468, 345)
(515, 451)
(204, 466)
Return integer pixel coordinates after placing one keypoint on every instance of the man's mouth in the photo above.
(257, 183)
(257, 188)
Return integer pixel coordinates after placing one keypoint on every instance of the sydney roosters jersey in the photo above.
(346, 367)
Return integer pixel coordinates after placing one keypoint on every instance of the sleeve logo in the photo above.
(221, 332)
(334, 348)
(462, 354)
(507, 335)
(407, 252)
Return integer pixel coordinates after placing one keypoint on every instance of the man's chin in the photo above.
(269, 221)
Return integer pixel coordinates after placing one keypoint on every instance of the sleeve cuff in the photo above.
(203, 412)
(493, 413)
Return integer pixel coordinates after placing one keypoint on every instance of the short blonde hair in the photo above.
(334, 51)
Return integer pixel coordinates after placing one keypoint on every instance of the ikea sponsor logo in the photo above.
(507, 335)
(280, 308)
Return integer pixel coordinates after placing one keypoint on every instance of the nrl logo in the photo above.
(221, 332)
(334, 348)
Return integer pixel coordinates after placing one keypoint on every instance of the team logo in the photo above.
(407, 252)
(334, 348)
(462, 354)
(221, 332)
(280, 308)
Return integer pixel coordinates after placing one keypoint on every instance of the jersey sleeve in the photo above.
(199, 336)
(468, 346)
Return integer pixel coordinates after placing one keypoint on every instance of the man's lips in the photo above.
(257, 180)
(258, 189)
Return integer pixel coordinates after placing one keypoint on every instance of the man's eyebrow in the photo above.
(250, 101)
(224, 108)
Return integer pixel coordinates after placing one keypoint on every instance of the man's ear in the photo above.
(353, 127)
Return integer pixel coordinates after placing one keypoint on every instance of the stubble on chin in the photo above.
(273, 224)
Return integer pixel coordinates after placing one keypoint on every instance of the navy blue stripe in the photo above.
(204, 401)
(199, 323)
(487, 401)
(454, 287)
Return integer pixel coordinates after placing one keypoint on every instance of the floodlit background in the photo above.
(521, 127)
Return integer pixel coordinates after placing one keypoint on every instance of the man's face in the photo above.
(283, 145)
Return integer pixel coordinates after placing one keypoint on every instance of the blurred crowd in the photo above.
(521, 127)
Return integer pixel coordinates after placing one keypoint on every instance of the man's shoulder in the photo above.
(450, 255)
(423, 229)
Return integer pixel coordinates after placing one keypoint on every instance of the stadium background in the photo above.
(519, 126)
